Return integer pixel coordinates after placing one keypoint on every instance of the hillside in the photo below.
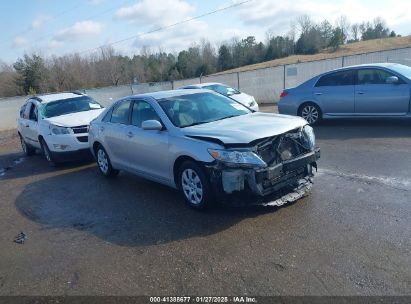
(345, 50)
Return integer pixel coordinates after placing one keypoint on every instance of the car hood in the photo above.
(75, 119)
(243, 98)
(245, 128)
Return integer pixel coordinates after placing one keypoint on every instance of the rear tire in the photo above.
(104, 163)
(47, 153)
(194, 185)
(27, 149)
(311, 113)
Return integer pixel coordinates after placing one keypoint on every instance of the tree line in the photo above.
(34, 73)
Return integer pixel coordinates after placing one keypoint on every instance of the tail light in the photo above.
(283, 94)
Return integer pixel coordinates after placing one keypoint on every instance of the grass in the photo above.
(356, 48)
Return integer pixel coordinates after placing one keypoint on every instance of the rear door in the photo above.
(114, 132)
(334, 92)
(375, 97)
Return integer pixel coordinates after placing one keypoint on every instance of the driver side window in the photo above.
(143, 111)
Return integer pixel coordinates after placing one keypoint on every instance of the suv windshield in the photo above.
(70, 105)
(199, 108)
(222, 89)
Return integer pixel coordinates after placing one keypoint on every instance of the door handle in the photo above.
(360, 93)
(101, 129)
(26, 126)
(129, 134)
(318, 93)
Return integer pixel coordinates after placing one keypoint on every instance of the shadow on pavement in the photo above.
(127, 210)
(363, 128)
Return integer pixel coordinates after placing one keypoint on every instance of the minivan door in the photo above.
(374, 96)
(334, 93)
(29, 125)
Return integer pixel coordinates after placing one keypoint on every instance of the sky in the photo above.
(54, 27)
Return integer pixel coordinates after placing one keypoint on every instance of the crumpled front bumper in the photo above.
(273, 186)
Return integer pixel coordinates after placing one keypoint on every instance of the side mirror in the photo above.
(392, 80)
(152, 125)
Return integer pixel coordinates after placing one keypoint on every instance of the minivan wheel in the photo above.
(311, 113)
(47, 153)
(27, 150)
(194, 185)
(104, 163)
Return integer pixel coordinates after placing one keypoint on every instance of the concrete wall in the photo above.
(264, 84)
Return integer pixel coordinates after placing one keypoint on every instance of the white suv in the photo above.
(58, 125)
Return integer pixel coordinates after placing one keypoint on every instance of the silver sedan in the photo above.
(206, 145)
(377, 90)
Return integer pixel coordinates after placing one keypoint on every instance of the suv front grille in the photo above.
(80, 129)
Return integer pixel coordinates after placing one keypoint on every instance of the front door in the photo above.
(375, 97)
(147, 150)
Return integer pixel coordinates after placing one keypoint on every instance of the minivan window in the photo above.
(342, 78)
(68, 106)
(121, 113)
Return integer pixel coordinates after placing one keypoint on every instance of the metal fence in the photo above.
(264, 84)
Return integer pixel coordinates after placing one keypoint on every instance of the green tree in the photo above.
(32, 73)
(225, 60)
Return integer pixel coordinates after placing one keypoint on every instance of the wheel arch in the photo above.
(177, 164)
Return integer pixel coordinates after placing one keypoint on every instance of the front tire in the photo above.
(194, 185)
(47, 153)
(104, 163)
(311, 113)
(27, 149)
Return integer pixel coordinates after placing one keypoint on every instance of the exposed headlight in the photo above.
(56, 130)
(308, 137)
(246, 158)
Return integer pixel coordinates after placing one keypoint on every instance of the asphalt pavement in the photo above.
(87, 235)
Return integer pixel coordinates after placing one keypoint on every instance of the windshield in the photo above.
(67, 106)
(222, 89)
(199, 108)
(402, 69)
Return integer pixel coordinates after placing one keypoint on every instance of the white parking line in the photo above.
(400, 184)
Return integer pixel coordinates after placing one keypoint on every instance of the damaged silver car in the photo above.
(208, 146)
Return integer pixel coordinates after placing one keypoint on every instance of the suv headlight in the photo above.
(56, 130)
(245, 158)
(308, 137)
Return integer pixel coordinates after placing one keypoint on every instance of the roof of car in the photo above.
(369, 65)
(171, 93)
(56, 96)
(201, 85)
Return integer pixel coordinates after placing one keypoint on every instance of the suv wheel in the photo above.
(311, 113)
(104, 163)
(27, 150)
(194, 185)
(47, 153)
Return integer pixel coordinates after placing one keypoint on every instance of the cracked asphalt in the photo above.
(87, 235)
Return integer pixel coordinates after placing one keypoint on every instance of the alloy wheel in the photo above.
(192, 186)
(310, 114)
(102, 161)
